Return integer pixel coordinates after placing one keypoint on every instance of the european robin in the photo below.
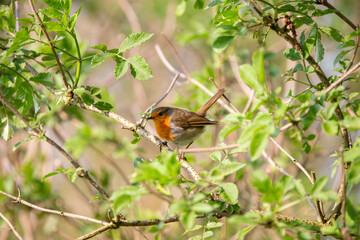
(180, 127)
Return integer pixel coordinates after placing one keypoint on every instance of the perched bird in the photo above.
(180, 127)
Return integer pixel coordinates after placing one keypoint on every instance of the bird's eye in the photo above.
(160, 114)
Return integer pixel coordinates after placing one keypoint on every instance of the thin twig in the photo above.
(319, 205)
(342, 78)
(113, 163)
(226, 98)
(11, 226)
(183, 76)
(158, 101)
(50, 43)
(344, 229)
(130, 15)
(274, 164)
(210, 149)
(286, 126)
(355, 51)
(182, 64)
(61, 213)
(17, 22)
(250, 100)
(293, 160)
(96, 232)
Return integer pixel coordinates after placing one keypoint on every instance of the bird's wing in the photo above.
(190, 119)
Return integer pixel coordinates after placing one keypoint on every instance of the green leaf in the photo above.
(120, 69)
(216, 156)
(54, 26)
(352, 123)
(340, 56)
(87, 98)
(134, 40)
(319, 50)
(258, 63)
(100, 47)
(100, 58)
(234, 118)
(8, 131)
(126, 195)
(103, 106)
(292, 54)
(223, 169)
(73, 19)
(332, 33)
(310, 42)
(139, 68)
(258, 144)
(225, 131)
(44, 79)
(352, 154)
(319, 185)
(221, 43)
(199, 4)
(20, 37)
(353, 175)
(249, 76)
(230, 192)
(52, 13)
(180, 8)
(18, 144)
(201, 207)
(57, 171)
(188, 219)
(331, 127)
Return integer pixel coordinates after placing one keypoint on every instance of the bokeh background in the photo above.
(103, 147)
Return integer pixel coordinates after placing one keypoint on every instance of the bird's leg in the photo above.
(163, 144)
(182, 155)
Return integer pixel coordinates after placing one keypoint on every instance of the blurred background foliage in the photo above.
(111, 153)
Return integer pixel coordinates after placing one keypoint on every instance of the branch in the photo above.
(61, 213)
(293, 160)
(210, 149)
(162, 98)
(342, 16)
(11, 226)
(38, 133)
(126, 123)
(50, 43)
(342, 78)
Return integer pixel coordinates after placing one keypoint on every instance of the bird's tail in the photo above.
(202, 111)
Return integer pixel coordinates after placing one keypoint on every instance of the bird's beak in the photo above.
(150, 118)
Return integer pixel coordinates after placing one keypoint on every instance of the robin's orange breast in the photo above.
(163, 127)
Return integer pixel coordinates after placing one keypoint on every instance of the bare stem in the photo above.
(50, 43)
(11, 226)
(162, 98)
(61, 213)
(342, 78)
(293, 160)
